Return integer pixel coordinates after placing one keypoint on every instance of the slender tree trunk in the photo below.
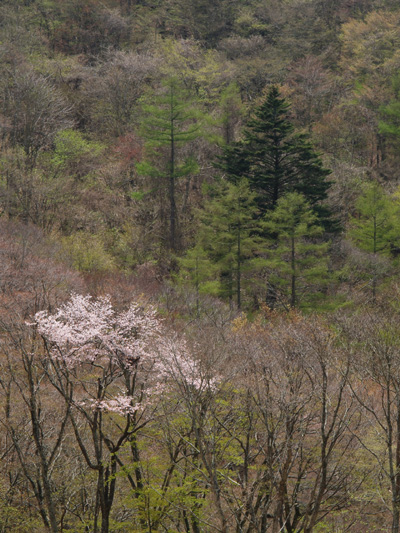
(107, 489)
(197, 286)
(375, 257)
(172, 204)
(34, 408)
(293, 265)
(239, 273)
(396, 492)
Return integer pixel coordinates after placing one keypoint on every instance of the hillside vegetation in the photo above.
(200, 240)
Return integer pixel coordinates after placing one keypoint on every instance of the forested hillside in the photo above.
(199, 250)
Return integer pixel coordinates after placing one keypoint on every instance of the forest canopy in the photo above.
(200, 238)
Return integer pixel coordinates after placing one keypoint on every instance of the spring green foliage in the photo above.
(197, 270)
(231, 112)
(196, 153)
(102, 132)
(170, 123)
(389, 125)
(297, 261)
(228, 235)
(71, 145)
(88, 253)
(374, 229)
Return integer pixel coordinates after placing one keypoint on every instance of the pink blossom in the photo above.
(176, 363)
(86, 331)
(120, 404)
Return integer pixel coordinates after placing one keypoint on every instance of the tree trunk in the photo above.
(172, 204)
(293, 281)
(238, 278)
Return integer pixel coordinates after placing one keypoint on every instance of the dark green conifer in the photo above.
(276, 160)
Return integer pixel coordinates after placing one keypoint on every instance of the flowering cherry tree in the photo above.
(105, 362)
(89, 334)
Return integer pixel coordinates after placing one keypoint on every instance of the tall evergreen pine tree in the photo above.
(170, 122)
(276, 160)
